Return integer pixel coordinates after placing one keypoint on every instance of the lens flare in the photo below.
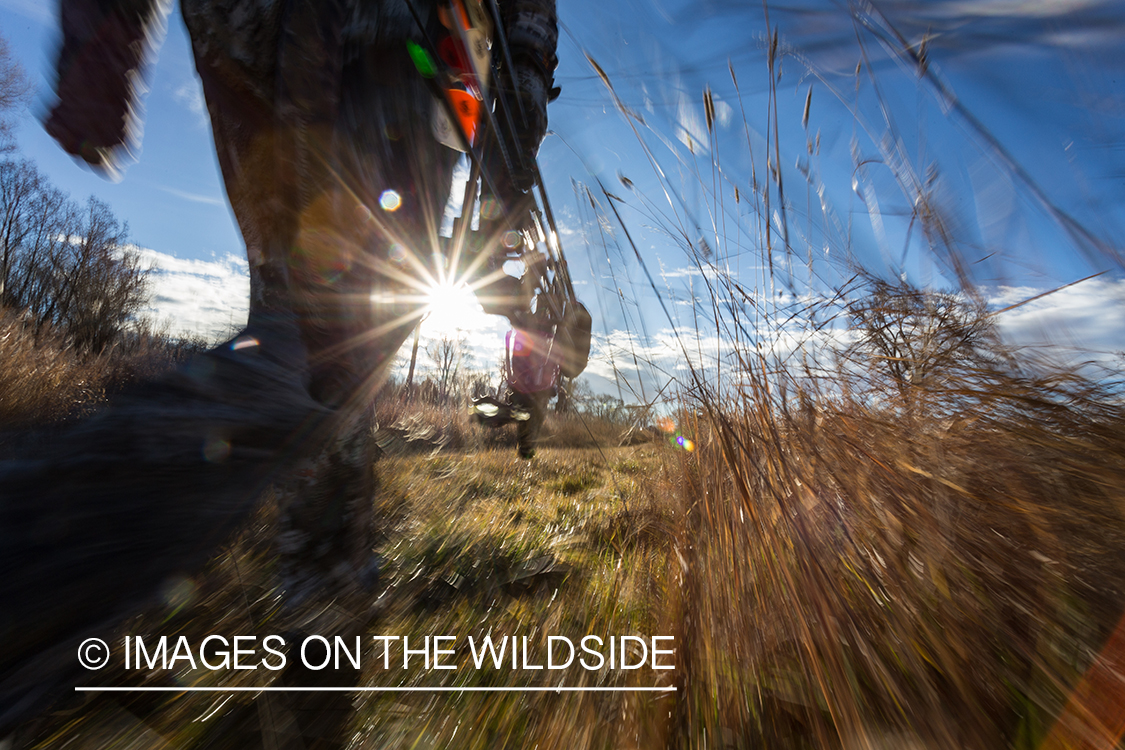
(244, 342)
(390, 200)
(490, 208)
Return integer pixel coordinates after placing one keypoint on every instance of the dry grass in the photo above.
(932, 559)
(491, 545)
(835, 574)
(574, 543)
(892, 574)
(44, 378)
(414, 424)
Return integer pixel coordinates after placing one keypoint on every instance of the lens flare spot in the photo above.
(243, 342)
(390, 200)
(511, 239)
(490, 208)
(178, 591)
(216, 450)
(397, 254)
(683, 442)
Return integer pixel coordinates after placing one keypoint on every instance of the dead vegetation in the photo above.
(841, 564)
(896, 531)
(45, 377)
(428, 418)
(475, 544)
(920, 556)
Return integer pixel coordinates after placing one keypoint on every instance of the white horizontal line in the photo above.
(561, 689)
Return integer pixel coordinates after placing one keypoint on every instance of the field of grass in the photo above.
(942, 570)
(577, 542)
(850, 581)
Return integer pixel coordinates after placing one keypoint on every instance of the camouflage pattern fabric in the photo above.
(313, 142)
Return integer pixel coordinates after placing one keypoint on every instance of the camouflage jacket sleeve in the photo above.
(104, 45)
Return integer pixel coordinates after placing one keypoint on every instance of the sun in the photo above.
(451, 308)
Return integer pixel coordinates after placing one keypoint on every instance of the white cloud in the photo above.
(483, 335)
(1084, 322)
(692, 131)
(190, 95)
(210, 200)
(724, 113)
(210, 298)
(683, 273)
(1016, 8)
(197, 297)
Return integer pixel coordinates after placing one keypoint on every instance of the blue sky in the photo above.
(1034, 139)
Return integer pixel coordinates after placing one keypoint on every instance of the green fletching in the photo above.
(422, 60)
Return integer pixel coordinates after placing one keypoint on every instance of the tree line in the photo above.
(63, 265)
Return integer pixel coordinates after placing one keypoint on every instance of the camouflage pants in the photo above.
(322, 127)
(325, 515)
(322, 133)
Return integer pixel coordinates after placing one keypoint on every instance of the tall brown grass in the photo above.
(45, 378)
(885, 574)
(927, 559)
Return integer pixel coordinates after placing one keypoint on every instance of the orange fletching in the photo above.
(468, 111)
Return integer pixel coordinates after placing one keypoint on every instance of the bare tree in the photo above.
(414, 354)
(563, 405)
(15, 92)
(105, 284)
(920, 338)
(66, 267)
(69, 268)
(20, 183)
(607, 407)
(49, 217)
(446, 354)
(579, 393)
